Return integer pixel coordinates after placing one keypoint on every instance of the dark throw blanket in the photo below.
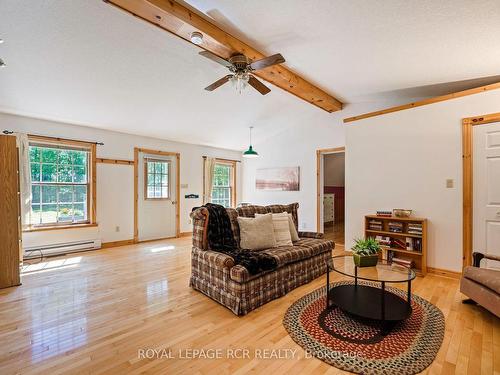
(220, 238)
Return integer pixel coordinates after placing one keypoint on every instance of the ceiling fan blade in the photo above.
(217, 59)
(218, 83)
(267, 61)
(258, 85)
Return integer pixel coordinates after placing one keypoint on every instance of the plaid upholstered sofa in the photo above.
(216, 275)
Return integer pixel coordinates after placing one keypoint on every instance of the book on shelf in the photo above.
(397, 243)
(395, 227)
(403, 261)
(383, 240)
(384, 213)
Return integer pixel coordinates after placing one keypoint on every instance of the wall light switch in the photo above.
(184, 186)
(117, 228)
(449, 183)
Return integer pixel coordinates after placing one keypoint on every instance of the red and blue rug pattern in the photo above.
(357, 345)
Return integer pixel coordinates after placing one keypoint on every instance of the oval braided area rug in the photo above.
(356, 345)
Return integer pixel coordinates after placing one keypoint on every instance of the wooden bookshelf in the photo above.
(414, 243)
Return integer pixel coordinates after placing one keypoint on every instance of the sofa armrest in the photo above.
(213, 258)
(311, 235)
(476, 257)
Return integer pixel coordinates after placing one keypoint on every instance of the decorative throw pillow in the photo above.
(281, 225)
(256, 233)
(293, 231)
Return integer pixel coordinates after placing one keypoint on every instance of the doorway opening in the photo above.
(481, 167)
(156, 195)
(331, 193)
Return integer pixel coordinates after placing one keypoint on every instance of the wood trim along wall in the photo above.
(420, 103)
(107, 245)
(60, 227)
(181, 21)
(136, 193)
(93, 161)
(115, 161)
(136, 188)
(319, 153)
(445, 273)
(185, 234)
(467, 168)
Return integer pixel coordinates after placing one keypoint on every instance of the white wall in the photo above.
(334, 169)
(402, 160)
(115, 183)
(296, 146)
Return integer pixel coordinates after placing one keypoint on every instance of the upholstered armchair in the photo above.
(482, 285)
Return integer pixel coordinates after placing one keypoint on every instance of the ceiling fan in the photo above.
(241, 68)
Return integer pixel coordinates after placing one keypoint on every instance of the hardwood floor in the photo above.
(335, 231)
(93, 313)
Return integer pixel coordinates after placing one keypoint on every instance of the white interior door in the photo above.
(486, 190)
(156, 206)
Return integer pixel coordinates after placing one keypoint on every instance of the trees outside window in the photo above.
(60, 184)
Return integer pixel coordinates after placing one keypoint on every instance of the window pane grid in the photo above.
(157, 179)
(59, 185)
(222, 185)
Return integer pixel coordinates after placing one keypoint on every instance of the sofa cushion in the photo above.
(257, 233)
(281, 224)
(294, 234)
(251, 210)
(233, 217)
(303, 249)
(487, 277)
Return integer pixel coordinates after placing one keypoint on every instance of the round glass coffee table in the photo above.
(370, 300)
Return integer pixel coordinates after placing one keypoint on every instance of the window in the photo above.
(223, 184)
(157, 179)
(60, 184)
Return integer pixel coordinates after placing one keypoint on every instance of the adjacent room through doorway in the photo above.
(331, 188)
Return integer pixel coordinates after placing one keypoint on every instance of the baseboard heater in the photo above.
(61, 248)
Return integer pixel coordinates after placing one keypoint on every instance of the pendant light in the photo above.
(250, 153)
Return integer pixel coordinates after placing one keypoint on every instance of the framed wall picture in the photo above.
(278, 179)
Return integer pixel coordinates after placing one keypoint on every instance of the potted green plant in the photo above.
(366, 252)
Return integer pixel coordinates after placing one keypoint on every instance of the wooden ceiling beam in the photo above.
(182, 22)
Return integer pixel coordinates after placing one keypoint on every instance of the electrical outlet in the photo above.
(117, 228)
(449, 183)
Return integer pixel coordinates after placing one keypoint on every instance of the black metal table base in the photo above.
(369, 302)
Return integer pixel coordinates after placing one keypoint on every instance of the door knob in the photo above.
(174, 202)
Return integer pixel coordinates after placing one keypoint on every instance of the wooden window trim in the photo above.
(169, 197)
(234, 188)
(91, 183)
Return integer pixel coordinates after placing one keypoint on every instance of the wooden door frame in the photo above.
(467, 150)
(319, 153)
(177, 155)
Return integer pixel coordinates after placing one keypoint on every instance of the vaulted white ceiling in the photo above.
(86, 62)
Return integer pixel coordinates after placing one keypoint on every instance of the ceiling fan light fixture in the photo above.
(196, 38)
(240, 81)
(250, 153)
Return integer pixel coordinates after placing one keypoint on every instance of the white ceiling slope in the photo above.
(86, 62)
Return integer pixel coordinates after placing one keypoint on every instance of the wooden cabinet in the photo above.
(10, 218)
(328, 208)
